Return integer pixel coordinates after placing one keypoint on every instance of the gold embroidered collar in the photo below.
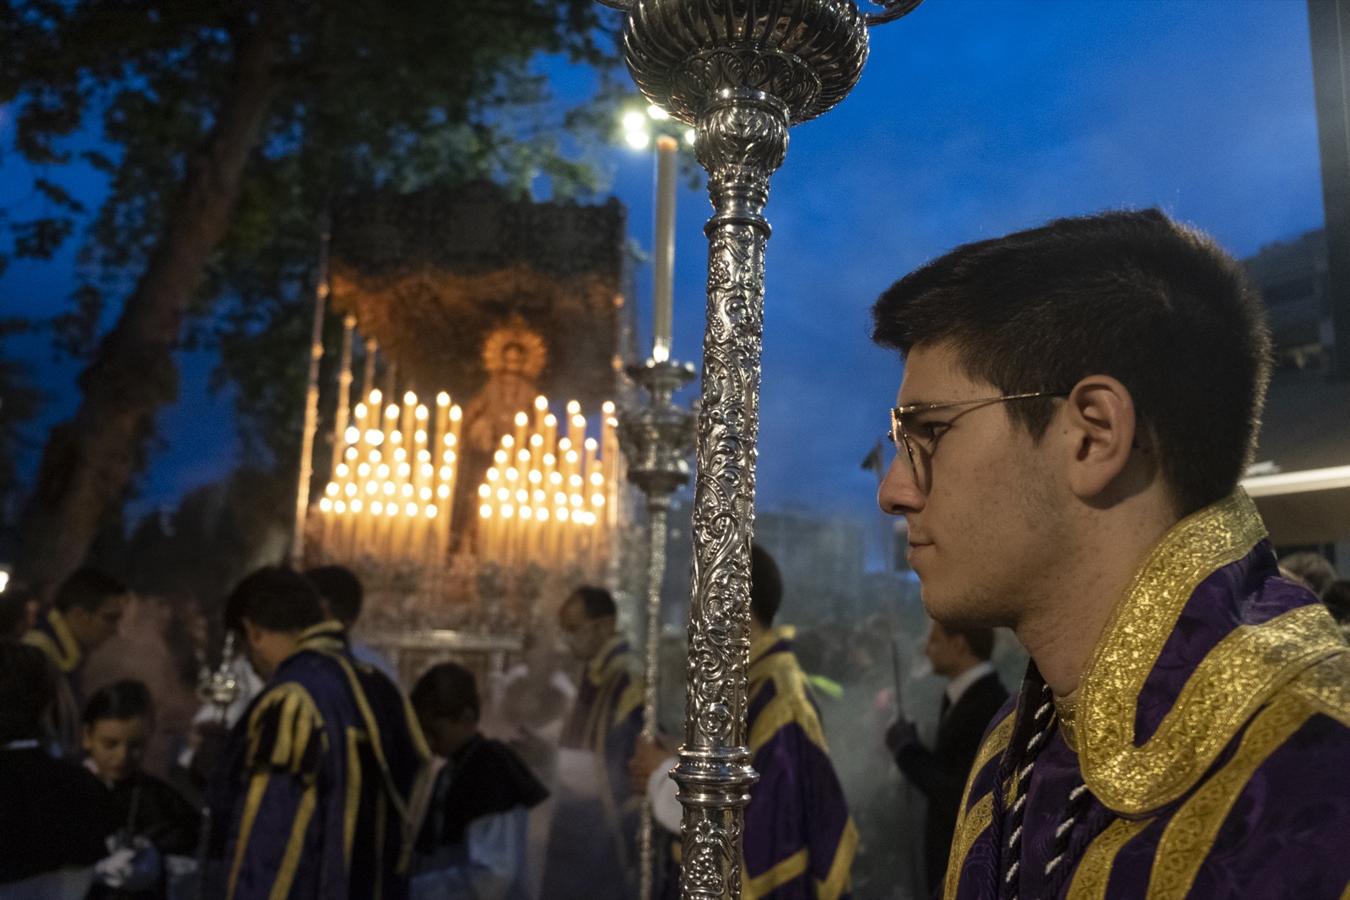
(1244, 669)
(329, 636)
(767, 638)
(60, 646)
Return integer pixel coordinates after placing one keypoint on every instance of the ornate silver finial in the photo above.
(219, 687)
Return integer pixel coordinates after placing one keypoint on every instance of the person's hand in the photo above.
(902, 732)
(647, 755)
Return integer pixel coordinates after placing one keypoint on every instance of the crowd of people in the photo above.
(1181, 725)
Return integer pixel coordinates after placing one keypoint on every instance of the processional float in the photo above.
(741, 72)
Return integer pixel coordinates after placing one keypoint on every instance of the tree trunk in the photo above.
(89, 461)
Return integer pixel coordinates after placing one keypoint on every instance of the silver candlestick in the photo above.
(656, 438)
(741, 73)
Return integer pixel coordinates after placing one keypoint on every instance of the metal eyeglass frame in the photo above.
(900, 436)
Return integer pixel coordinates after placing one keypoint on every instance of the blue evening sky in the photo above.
(972, 119)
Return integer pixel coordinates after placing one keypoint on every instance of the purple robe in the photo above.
(799, 840)
(1211, 728)
(52, 636)
(592, 851)
(324, 782)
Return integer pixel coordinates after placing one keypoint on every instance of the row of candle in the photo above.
(549, 498)
(391, 495)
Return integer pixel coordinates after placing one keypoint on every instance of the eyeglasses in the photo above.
(910, 436)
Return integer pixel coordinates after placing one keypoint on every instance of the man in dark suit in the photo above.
(972, 696)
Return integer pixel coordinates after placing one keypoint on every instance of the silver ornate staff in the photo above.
(656, 439)
(740, 72)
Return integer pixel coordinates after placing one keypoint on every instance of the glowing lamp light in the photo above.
(522, 420)
(522, 496)
(526, 512)
(562, 514)
(523, 455)
(541, 403)
(356, 505)
(349, 490)
(579, 420)
(536, 476)
(443, 492)
(597, 499)
(396, 437)
(576, 500)
(427, 470)
(484, 490)
(597, 479)
(374, 437)
(555, 478)
(633, 121)
(371, 487)
(512, 474)
(446, 472)
(382, 471)
(407, 490)
(607, 407)
(352, 453)
(352, 434)
(551, 420)
(360, 413)
(612, 422)
(690, 137)
(424, 456)
(442, 399)
(536, 440)
(425, 494)
(574, 480)
(391, 509)
(420, 436)
(449, 440)
(493, 474)
(573, 407)
(565, 444)
(404, 470)
(499, 457)
(543, 514)
(591, 444)
(409, 398)
(410, 509)
(456, 413)
(550, 459)
(375, 456)
(571, 456)
(508, 441)
(376, 397)
(388, 489)
(331, 489)
(421, 414)
(325, 505)
(560, 499)
(342, 470)
(485, 511)
(430, 512)
(339, 507)
(391, 411)
(400, 454)
(538, 497)
(508, 511)
(503, 494)
(377, 508)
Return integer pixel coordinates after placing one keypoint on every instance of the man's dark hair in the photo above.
(1130, 294)
(1337, 598)
(275, 598)
(87, 588)
(1312, 568)
(766, 586)
(27, 689)
(980, 640)
(445, 691)
(125, 699)
(340, 589)
(596, 601)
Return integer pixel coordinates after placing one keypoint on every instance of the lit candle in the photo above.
(663, 283)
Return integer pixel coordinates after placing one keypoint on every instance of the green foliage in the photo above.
(367, 95)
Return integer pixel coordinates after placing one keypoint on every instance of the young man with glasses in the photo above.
(1078, 404)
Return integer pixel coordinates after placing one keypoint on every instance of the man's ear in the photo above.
(1102, 431)
(252, 633)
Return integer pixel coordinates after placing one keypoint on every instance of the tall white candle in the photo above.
(663, 251)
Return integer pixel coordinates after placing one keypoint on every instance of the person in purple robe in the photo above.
(799, 839)
(592, 849)
(84, 614)
(1079, 402)
(325, 778)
